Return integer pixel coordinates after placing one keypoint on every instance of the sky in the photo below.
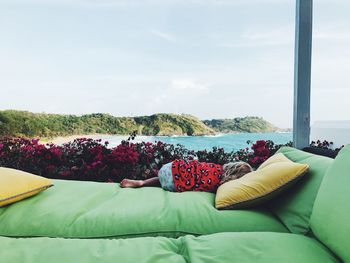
(208, 58)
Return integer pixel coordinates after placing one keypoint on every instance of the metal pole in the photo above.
(302, 73)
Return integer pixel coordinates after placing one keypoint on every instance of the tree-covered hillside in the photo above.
(23, 123)
(246, 124)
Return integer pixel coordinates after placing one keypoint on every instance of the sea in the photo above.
(230, 142)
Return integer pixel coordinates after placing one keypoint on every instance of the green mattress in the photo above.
(74, 209)
(223, 247)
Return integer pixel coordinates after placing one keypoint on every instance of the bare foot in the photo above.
(131, 183)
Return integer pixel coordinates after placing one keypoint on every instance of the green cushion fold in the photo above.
(294, 206)
(330, 220)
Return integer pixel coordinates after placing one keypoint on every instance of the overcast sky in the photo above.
(212, 59)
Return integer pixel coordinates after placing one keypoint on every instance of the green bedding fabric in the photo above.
(330, 220)
(294, 207)
(75, 209)
(223, 247)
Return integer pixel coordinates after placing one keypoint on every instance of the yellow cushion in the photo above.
(273, 176)
(16, 185)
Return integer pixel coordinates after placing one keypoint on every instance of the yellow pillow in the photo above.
(16, 185)
(273, 176)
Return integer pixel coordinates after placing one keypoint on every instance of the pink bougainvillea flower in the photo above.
(64, 173)
(259, 144)
(35, 141)
(50, 168)
(57, 152)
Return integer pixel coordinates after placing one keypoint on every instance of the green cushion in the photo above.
(294, 207)
(257, 247)
(89, 209)
(330, 220)
(224, 247)
(58, 250)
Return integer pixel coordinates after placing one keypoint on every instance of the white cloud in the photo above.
(189, 85)
(261, 37)
(164, 35)
(331, 34)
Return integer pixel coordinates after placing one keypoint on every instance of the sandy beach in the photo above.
(65, 139)
(113, 139)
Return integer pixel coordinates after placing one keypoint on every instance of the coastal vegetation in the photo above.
(92, 160)
(245, 124)
(28, 124)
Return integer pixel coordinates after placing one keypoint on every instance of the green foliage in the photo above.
(246, 124)
(27, 124)
(23, 123)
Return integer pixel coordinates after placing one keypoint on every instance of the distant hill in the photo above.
(24, 123)
(171, 124)
(246, 124)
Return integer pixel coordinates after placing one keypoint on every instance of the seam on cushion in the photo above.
(141, 234)
(263, 195)
(122, 236)
(279, 220)
(318, 190)
(323, 245)
(182, 248)
(36, 189)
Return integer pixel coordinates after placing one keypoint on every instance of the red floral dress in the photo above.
(196, 176)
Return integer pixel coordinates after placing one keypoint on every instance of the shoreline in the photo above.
(68, 138)
(105, 137)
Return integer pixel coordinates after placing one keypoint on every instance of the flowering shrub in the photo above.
(321, 144)
(88, 159)
(262, 150)
(217, 155)
(29, 155)
(152, 156)
(324, 148)
(326, 145)
(259, 152)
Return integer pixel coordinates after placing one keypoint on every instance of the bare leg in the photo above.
(154, 181)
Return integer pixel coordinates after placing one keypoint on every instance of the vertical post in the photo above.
(302, 73)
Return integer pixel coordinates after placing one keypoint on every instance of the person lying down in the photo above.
(181, 175)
